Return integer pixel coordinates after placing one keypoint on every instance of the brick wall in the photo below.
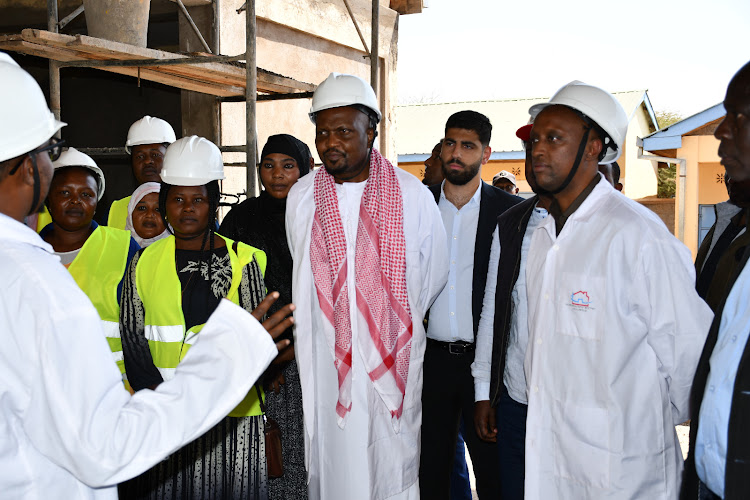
(663, 207)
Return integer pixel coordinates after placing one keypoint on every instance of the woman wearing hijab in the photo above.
(144, 220)
(260, 222)
(171, 289)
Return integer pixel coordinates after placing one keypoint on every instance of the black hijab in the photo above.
(292, 147)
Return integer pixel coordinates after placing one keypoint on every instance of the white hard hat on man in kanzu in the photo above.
(344, 90)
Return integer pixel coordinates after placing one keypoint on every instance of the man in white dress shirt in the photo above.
(503, 333)
(369, 258)
(469, 208)
(718, 465)
(615, 325)
(68, 427)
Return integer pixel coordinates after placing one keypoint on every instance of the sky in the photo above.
(684, 52)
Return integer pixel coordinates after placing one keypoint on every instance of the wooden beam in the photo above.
(407, 6)
(215, 78)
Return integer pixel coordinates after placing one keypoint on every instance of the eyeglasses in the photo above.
(53, 149)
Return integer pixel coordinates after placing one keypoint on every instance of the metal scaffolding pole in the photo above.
(374, 46)
(54, 66)
(251, 92)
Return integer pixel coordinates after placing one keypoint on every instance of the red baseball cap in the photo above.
(524, 133)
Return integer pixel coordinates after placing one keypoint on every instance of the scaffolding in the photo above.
(214, 74)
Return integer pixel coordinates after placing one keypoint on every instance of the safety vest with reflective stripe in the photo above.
(159, 289)
(118, 213)
(98, 269)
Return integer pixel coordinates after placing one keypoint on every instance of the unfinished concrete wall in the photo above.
(200, 112)
(306, 40)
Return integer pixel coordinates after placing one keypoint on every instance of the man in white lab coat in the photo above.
(68, 427)
(370, 256)
(615, 325)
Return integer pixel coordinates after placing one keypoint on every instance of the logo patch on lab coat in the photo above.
(580, 298)
(581, 301)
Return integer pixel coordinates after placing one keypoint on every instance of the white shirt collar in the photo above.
(12, 230)
(476, 198)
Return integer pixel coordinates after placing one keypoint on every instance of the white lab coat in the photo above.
(616, 330)
(68, 428)
(367, 458)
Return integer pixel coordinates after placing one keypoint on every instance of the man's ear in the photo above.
(486, 153)
(26, 171)
(594, 148)
(371, 135)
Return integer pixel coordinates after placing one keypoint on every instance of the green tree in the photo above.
(666, 181)
(667, 177)
(666, 118)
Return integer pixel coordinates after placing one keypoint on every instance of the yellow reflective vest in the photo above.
(118, 213)
(43, 219)
(98, 269)
(159, 289)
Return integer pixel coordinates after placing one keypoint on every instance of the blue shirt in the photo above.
(451, 318)
(514, 377)
(711, 442)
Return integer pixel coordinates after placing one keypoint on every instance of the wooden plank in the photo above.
(100, 49)
(64, 55)
(404, 7)
(214, 78)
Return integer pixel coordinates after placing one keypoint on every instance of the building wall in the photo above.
(306, 40)
(701, 187)
(516, 167)
(637, 176)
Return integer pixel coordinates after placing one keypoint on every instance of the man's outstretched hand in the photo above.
(278, 322)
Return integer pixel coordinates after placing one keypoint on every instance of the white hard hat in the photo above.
(71, 157)
(25, 120)
(598, 105)
(192, 161)
(149, 130)
(343, 90)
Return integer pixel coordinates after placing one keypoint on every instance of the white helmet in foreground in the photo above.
(25, 120)
(192, 161)
(598, 105)
(71, 157)
(149, 130)
(343, 90)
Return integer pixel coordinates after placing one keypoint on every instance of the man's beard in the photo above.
(462, 177)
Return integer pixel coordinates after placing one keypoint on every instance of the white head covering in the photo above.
(138, 194)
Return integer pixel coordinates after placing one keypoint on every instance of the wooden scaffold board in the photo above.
(215, 78)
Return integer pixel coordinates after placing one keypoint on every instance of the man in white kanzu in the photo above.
(369, 256)
(615, 324)
(68, 428)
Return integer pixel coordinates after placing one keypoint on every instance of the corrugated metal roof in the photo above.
(671, 137)
(420, 126)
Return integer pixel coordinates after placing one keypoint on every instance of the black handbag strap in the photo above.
(260, 399)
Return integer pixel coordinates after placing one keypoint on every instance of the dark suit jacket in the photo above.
(737, 473)
(493, 202)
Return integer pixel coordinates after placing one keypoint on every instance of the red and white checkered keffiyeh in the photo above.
(380, 275)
